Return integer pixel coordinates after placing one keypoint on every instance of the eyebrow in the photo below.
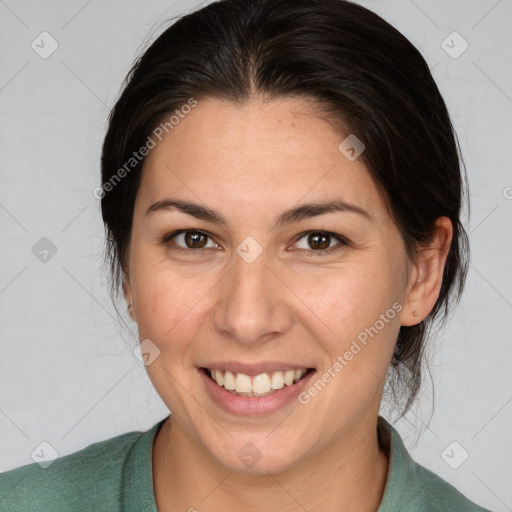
(290, 216)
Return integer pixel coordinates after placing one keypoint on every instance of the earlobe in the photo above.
(427, 274)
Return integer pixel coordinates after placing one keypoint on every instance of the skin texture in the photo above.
(250, 163)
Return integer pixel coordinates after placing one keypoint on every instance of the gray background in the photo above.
(67, 372)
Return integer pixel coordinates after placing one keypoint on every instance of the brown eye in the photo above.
(189, 240)
(195, 240)
(318, 243)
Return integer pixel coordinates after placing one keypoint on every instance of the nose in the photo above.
(252, 304)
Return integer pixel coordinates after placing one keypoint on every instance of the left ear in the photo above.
(426, 275)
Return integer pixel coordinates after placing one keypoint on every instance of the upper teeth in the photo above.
(262, 383)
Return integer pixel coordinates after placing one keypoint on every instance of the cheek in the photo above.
(171, 310)
(359, 308)
(169, 300)
(362, 315)
(346, 300)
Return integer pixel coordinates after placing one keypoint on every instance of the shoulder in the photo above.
(413, 487)
(89, 479)
(438, 495)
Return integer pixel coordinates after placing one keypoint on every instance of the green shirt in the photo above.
(116, 475)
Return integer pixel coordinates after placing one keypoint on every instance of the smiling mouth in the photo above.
(263, 384)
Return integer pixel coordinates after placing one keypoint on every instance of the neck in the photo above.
(349, 474)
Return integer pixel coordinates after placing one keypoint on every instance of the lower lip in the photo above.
(256, 405)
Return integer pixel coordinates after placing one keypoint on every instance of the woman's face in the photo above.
(255, 294)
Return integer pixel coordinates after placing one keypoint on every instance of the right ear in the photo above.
(128, 296)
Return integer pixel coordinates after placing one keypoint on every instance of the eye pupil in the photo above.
(313, 240)
(192, 239)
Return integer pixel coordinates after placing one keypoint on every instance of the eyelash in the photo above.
(311, 253)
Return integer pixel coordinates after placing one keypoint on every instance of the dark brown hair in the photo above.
(367, 76)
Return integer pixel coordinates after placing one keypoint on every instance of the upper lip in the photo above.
(254, 368)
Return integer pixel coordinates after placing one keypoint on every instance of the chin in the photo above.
(257, 458)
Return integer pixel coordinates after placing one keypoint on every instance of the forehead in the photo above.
(261, 154)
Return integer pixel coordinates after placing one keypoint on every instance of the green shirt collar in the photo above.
(401, 492)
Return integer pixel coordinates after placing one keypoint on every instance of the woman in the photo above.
(281, 191)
